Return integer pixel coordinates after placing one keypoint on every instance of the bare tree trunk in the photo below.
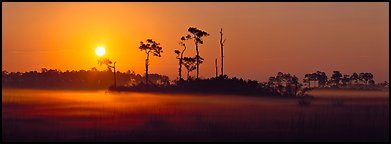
(198, 56)
(115, 79)
(216, 66)
(188, 75)
(180, 64)
(180, 69)
(146, 68)
(222, 52)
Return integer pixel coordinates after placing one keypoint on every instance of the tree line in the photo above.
(283, 84)
(337, 79)
(81, 79)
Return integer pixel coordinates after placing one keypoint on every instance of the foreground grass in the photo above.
(34, 115)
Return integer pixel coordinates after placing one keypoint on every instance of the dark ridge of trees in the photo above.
(321, 77)
(215, 85)
(362, 80)
(308, 78)
(81, 79)
(345, 79)
(353, 77)
(150, 46)
(336, 78)
(284, 84)
(225, 85)
(317, 76)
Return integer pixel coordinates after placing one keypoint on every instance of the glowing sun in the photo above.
(100, 51)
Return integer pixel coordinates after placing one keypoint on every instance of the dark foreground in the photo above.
(41, 115)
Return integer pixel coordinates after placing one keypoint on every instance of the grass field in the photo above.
(42, 115)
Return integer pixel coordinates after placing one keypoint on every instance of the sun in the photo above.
(100, 51)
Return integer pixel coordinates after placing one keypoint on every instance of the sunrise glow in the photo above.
(100, 51)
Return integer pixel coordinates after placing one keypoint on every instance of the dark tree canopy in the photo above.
(151, 46)
(198, 34)
(336, 77)
(177, 52)
(104, 61)
(190, 62)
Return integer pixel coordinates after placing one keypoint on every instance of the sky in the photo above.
(261, 38)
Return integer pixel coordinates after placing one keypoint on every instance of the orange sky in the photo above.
(262, 38)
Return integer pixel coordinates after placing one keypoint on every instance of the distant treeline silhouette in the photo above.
(283, 84)
(81, 79)
(362, 80)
